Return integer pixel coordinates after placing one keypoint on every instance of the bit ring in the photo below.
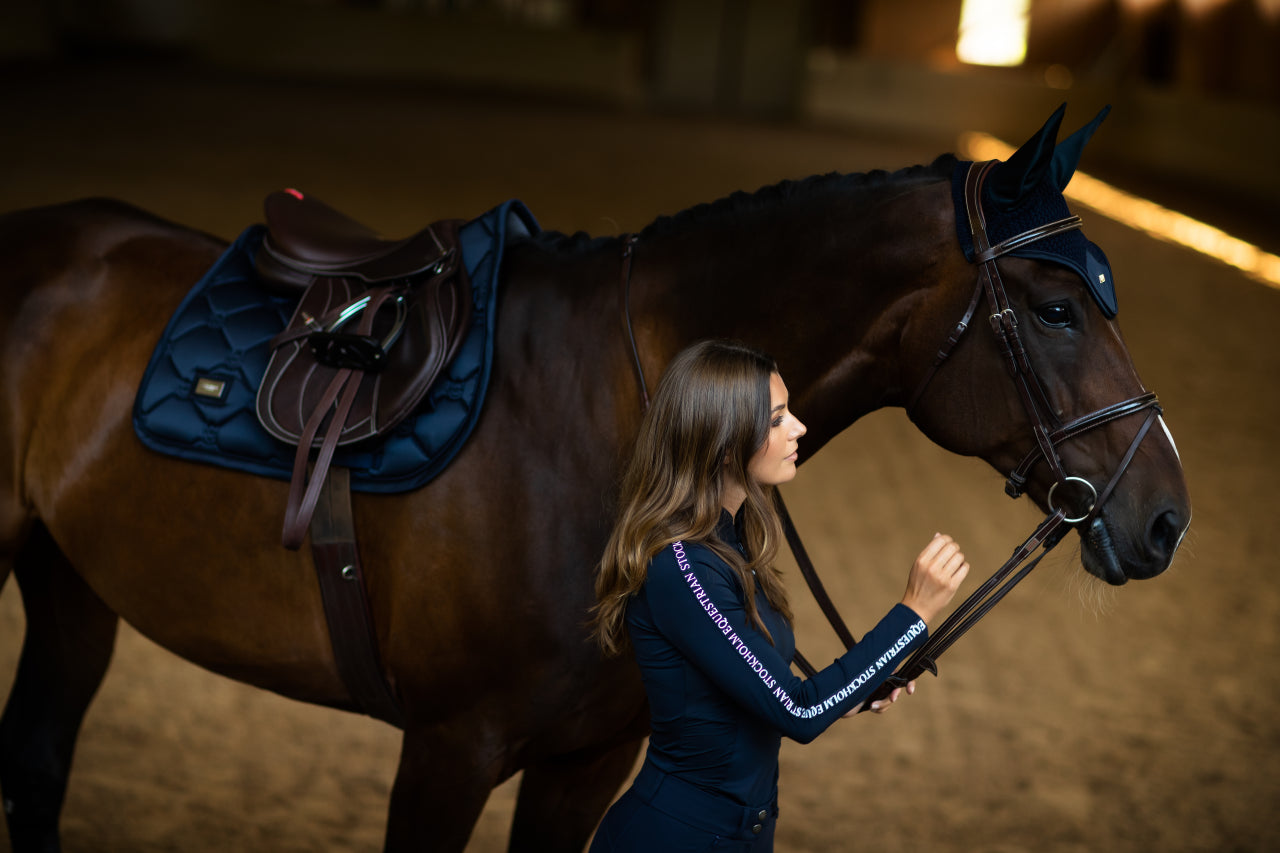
(1092, 503)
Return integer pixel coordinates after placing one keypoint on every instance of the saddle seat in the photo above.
(306, 238)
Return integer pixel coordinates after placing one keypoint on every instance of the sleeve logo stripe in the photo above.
(744, 651)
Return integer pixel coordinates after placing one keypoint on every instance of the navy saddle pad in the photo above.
(196, 401)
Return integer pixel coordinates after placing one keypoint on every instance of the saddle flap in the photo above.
(436, 314)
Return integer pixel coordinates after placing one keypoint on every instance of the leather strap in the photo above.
(981, 600)
(811, 578)
(944, 351)
(333, 409)
(628, 252)
(1124, 463)
(346, 605)
(973, 608)
(1018, 478)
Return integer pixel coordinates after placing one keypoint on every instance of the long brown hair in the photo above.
(708, 417)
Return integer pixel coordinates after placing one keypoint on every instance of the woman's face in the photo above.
(775, 461)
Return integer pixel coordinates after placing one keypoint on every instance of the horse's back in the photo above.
(99, 257)
(58, 235)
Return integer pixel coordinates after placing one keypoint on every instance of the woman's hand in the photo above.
(881, 705)
(935, 577)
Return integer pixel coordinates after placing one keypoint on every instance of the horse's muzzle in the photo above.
(1152, 553)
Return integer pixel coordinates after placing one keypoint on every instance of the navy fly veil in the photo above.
(1044, 204)
(197, 397)
(1031, 197)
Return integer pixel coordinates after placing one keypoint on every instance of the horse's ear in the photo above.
(1013, 179)
(1067, 155)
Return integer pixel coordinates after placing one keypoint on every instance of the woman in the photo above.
(689, 574)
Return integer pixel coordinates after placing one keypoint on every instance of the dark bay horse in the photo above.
(480, 583)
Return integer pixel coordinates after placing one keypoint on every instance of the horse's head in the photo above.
(1042, 386)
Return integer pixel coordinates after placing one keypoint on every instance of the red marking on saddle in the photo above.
(295, 193)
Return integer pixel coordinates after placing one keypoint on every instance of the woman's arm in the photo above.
(696, 604)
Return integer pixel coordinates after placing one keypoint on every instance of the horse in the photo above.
(851, 281)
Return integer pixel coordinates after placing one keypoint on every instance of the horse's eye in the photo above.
(1055, 314)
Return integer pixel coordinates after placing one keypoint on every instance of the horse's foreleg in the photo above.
(441, 786)
(69, 638)
(562, 800)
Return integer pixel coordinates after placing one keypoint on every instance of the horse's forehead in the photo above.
(1043, 205)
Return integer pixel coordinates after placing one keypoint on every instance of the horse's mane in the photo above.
(806, 188)
(741, 203)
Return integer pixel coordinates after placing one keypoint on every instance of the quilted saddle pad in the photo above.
(196, 400)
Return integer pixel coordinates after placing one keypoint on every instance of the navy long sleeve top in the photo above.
(721, 696)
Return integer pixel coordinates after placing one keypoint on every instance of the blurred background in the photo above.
(1076, 718)
(1195, 83)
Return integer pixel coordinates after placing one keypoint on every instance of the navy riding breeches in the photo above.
(662, 812)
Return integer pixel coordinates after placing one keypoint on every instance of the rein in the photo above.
(1047, 428)
(628, 252)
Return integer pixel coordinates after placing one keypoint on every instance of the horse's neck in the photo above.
(828, 291)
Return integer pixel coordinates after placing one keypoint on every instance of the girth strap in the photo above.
(346, 604)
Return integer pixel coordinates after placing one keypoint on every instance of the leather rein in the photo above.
(1047, 428)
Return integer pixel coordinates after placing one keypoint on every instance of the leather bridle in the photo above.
(1049, 431)
(1047, 428)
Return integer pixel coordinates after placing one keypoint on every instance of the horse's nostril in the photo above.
(1164, 534)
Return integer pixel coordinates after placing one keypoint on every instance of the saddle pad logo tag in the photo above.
(212, 389)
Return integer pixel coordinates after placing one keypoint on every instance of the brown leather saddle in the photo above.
(376, 322)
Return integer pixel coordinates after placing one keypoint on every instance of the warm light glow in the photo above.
(993, 32)
(1197, 8)
(1147, 216)
(1269, 9)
